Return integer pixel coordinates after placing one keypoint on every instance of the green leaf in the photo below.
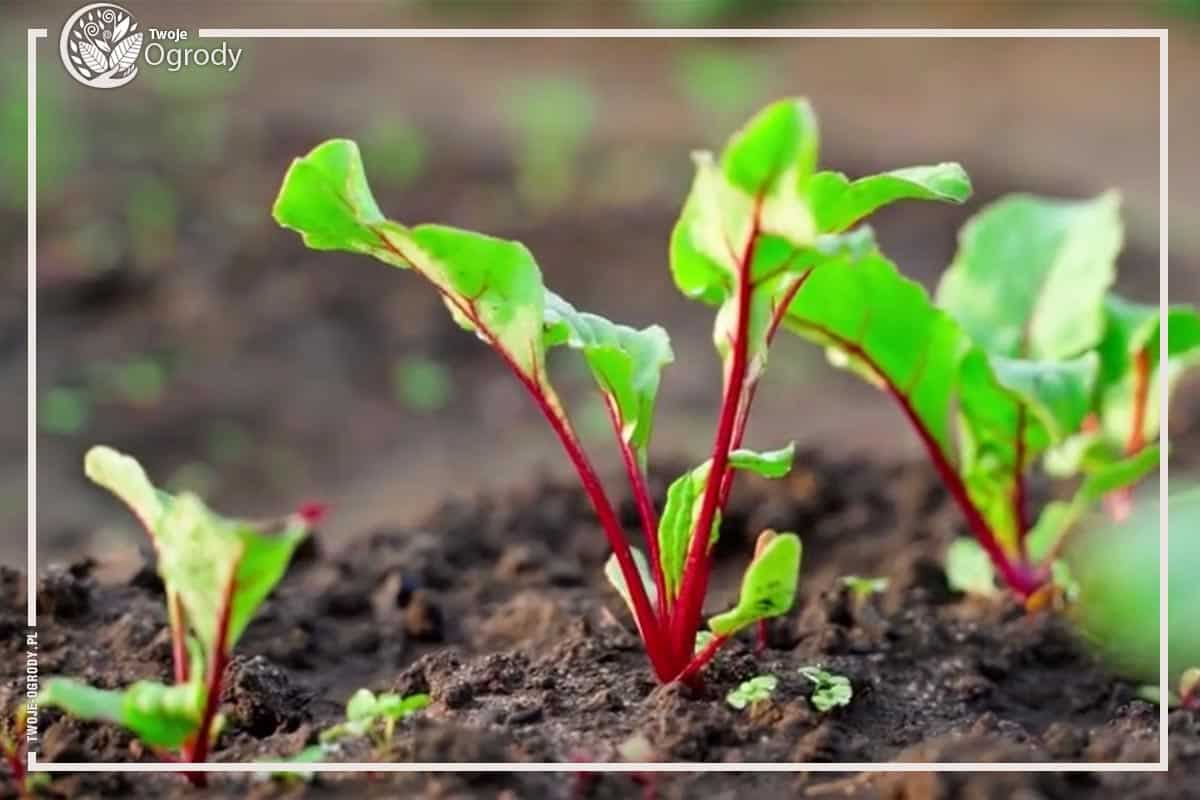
(756, 690)
(1012, 407)
(1030, 275)
(1059, 517)
(627, 363)
(682, 510)
(123, 476)
(160, 716)
(201, 553)
(490, 286)
(612, 571)
(361, 705)
(883, 326)
(396, 707)
(829, 689)
(968, 568)
(778, 145)
(1133, 331)
(768, 587)
(839, 202)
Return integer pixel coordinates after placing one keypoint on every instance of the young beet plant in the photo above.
(1028, 353)
(216, 572)
(758, 224)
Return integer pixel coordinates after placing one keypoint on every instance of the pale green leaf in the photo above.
(968, 568)
(160, 716)
(490, 286)
(1030, 275)
(612, 571)
(123, 476)
(838, 202)
(779, 144)
(627, 363)
(768, 586)
(201, 553)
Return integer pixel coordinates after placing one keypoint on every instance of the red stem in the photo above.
(1018, 495)
(196, 751)
(641, 496)
(695, 572)
(1019, 578)
(700, 660)
(17, 766)
(179, 651)
(652, 635)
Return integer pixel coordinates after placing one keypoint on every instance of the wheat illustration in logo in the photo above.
(100, 45)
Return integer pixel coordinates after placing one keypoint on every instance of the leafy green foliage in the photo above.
(161, 716)
(756, 690)
(839, 202)
(829, 689)
(883, 327)
(682, 508)
(769, 585)
(367, 712)
(626, 363)
(1030, 275)
(968, 568)
(1013, 411)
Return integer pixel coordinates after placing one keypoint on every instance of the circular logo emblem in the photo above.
(100, 45)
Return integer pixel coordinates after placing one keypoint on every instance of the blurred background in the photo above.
(177, 322)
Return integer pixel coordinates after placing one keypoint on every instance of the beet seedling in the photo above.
(752, 692)
(216, 572)
(753, 230)
(1020, 342)
(829, 689)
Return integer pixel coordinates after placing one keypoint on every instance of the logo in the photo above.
(100, 45)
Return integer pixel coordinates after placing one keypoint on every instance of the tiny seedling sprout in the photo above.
(829, 689)
(862, 588)
(216, 572)
(752, 692)
(758, 224)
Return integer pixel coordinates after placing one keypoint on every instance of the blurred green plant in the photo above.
(722, 84)
(397, 151)
(64, 410)
(60, 141)
(1117, 570)
(550, 120)
(423, 385)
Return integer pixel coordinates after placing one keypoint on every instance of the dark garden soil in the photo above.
(498, 610)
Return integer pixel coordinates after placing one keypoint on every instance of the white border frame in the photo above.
(34, 34)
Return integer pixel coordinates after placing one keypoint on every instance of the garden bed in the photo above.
(498, 609)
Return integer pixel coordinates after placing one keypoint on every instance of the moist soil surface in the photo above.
(497, 608)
